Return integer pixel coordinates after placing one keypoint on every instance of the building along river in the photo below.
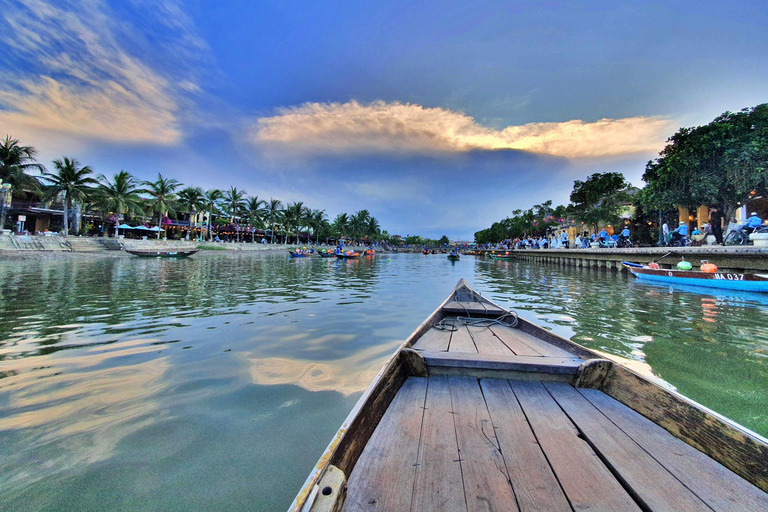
(215, 382)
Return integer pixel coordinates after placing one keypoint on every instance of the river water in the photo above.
(215, 382)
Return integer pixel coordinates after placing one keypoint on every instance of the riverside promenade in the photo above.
(730, 259)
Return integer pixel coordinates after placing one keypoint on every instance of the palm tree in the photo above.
(191, 200)
(163, 200)
(71, 181)
(15, 162)
(233, 203)
(316, 220)
(341, 224)
(212, 197)
(255, 212)
(295, 216)
(373, 228)
(359, 223)
(120, 196)
(273, 212)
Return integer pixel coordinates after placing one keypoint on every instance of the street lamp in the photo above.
(5, 192)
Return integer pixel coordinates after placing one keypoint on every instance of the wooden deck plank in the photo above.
(435, 340)
(487, 343)
(535, 486)
(587, 483)
(509, 338)
(438, 483)
(384, 474)
(518, 337)
(464, 308)
(722, 489)
(486, 486)
(648, 480)
(461, 341)
(517, 363)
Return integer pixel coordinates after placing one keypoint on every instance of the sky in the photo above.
(438, 117)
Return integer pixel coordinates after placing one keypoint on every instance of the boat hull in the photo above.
(348, 256)
(294, 255)
(163, 254)
(722, 280)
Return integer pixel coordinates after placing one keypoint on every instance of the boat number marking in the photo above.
(670, 274)
(730, 277)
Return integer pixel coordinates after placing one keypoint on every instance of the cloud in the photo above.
(79, 76)
(323, 128)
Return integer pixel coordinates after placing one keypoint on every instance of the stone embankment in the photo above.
(30, 244)
(729, 259)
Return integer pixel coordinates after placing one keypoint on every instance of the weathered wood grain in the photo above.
(592, 373)
(521, 338)
(471, 309)
(518, 363)
(384, 475)
(461, 341)
(533, 482)
(332, 491)
(438, 485)
(722, 489)
(731, 446)
(357, 433)
(487, 343)
(486, 486)
(649, 482)
(435, 340)
(586, 481)
(510, 338)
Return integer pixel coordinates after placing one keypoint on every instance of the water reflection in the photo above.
(135, 383)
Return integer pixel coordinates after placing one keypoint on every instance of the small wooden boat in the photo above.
(725, 280)
(327, 254)
(348, 256)
(369, 252)
(298, 255)
(454, 257)
(501, 256)
(163, 254)
(481, 410)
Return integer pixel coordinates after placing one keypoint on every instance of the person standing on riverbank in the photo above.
(717, 223)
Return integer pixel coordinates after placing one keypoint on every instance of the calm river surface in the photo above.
(215, 382)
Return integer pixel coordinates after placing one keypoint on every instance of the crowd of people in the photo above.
(681, 235)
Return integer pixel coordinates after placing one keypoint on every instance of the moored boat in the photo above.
(327, 254)
(298, 254)
(348, 255)
(480, 409)
(506, 256)
(163, 254)
(713, 279)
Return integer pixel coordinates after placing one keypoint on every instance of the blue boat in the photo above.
(724, 280)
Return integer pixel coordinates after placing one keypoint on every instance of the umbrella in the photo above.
(158, 229)
(145, 228)
(121, 226)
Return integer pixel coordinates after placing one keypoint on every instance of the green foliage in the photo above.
(720, 163)
(599, 198)
(15, 162)
(70, 181)
(121, 195)
(443, 240)
(163, 201)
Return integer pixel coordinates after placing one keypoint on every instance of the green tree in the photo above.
(234, 203)
(15, 162)
(70, 181)
(211, 202)
(121, 195)
(340, 225)
(191, 200)
(163, 201)
(720, 163)
(373, 228)
(443, 240)
(317, 221)
(255, 212)
(599, 198)
(295, 217)
(273, 213)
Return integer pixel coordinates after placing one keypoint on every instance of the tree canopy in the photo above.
(722, 163)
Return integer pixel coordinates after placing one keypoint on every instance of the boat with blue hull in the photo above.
(724, 280)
